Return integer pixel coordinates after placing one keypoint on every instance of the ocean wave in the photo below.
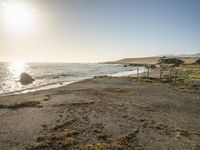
(53, 76)
(41, 87)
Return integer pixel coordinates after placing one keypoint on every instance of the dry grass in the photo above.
(191, 73)
(67, 139)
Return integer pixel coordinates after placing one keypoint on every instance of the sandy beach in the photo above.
(103, 112)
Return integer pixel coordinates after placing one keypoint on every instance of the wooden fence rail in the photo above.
(166, 74)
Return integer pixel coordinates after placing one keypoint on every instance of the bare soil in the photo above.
(102, 113)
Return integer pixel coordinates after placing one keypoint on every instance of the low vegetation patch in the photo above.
(198, 61)
(20, 105)
(184, 78)
(175, 61)
(69, 139)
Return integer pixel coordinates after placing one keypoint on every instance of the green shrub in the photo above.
(175, 61)
(198, 61)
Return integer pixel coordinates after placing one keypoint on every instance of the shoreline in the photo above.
(65, 83)
(41, 88)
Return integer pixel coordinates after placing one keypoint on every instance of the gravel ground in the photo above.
(102, 112)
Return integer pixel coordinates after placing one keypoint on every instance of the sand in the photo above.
(114, 112)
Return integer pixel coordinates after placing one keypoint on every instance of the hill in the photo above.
(150, 60)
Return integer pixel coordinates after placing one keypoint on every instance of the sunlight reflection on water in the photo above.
(13, 75)
(16, 68)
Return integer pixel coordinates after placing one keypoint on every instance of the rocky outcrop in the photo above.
(26, 79)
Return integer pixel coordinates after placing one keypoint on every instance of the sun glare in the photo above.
(17, 67)
(18, 15)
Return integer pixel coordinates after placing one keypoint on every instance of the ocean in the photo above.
(51, 75)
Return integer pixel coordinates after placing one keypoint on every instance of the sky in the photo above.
(97, 30)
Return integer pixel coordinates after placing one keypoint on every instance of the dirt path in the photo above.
(102, 112)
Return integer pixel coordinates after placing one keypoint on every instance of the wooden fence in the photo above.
(169, 74)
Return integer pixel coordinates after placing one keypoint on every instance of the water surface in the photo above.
(50, 75)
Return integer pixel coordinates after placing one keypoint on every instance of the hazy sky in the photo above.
(99, 30)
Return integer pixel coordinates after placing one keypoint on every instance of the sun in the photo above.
(17, 15)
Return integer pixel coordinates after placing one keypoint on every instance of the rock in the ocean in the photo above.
(26, 79)
(125, 66)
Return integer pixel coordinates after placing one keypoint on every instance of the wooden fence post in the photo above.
(148, 72)
(175, 76)
(161, 75)
(138, 71)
